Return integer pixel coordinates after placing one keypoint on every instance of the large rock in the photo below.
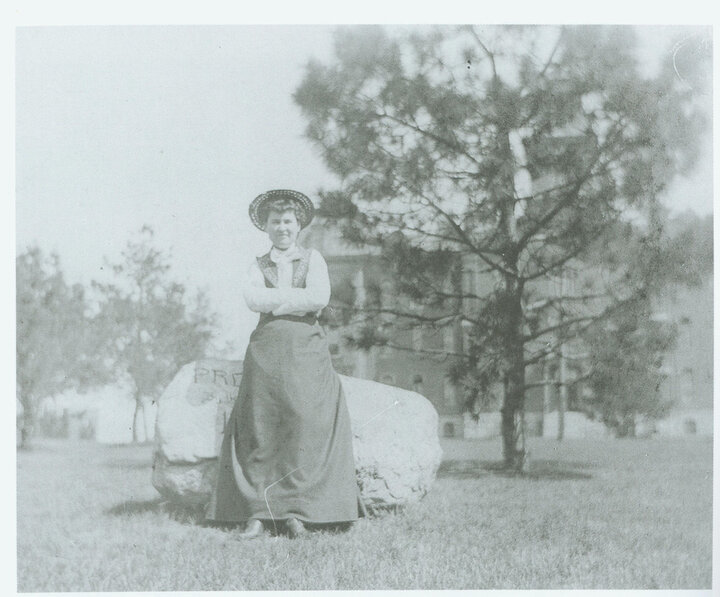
(395, 439)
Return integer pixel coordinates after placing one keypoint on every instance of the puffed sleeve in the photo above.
(315, 295)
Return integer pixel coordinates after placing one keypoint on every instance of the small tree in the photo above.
(627, 356)
(515, 149)
(626, 352)
(56, 342)
(151, 329)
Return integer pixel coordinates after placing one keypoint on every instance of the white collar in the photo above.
(289, 254)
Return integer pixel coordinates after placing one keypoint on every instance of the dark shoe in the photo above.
(253, 529)
(295, 528)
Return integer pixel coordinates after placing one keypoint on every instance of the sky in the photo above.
(180, 128)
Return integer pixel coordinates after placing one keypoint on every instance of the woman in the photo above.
(287, 449)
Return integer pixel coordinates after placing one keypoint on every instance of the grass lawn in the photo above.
(591, 514)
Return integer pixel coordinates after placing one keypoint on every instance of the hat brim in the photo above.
(258, 206)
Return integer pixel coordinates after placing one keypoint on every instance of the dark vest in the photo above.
(300, 269)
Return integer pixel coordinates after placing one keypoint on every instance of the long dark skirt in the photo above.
(287, 449)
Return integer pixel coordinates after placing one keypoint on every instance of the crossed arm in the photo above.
(289, 301)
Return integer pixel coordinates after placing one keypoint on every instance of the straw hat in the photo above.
(258, 207)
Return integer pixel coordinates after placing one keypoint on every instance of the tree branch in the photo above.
(454, 145)
(405, 314)
(566, 323)
(476, 250)
(563, 260)
(552, 54)
(438, 353)
(549, 301)
(489, 54)
(591, 319)
(567, 200)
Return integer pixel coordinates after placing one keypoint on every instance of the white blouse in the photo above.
(286, 300)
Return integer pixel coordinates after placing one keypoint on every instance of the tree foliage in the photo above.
(518, 151)
(151, 327)
(627, 351)
(56, 340)
(627, 356)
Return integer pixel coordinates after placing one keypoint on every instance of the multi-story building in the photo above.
(419, 357)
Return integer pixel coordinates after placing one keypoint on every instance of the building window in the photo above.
(686, 386)
(417, 383)
(449, 394)
(417, 338)
(690, 426)
(449, 430)
(449, 338)
(388, 379)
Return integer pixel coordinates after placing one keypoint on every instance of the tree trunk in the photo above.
(562, 403)
(139, 409)
(513, 419)
(627, 426)
(546, 393)
(28, 420)
(512, 411)
(145, 424)
(24, 437)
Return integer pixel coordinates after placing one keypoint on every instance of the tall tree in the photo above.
(56, 342)
(151, 326)
(516, 148)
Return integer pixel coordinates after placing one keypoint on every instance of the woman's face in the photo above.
(282, 228)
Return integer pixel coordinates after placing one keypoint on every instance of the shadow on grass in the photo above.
(177, 512)
(130, 446)
(30, 448)
(551, 470)
(127, 464)
(196, 515)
